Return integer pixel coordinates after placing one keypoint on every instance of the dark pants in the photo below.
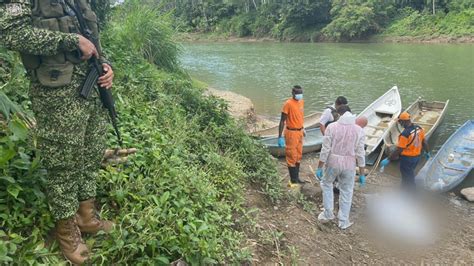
(407, 168)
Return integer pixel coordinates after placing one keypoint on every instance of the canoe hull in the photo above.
(311, 143)
(310, 121)
(381, 114)
(452, 164)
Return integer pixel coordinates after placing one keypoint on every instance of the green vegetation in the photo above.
(324, 20)
(180, 196)
(415, 24)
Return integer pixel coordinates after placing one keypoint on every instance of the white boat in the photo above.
(311, 142)
(427, 115)
(380, 115)
(310, 121)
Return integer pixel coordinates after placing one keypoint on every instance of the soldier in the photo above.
(71, 130)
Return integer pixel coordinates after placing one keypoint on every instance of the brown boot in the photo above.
(70, 241)
(88, 220)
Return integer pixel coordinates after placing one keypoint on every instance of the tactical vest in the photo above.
(334, 114)
(55, 15)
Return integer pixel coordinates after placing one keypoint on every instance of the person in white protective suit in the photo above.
(343, 149)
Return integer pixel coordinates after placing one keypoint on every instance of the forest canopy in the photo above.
(338, 20)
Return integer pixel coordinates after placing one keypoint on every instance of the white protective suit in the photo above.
(343, 146)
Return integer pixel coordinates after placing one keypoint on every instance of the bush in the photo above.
(241, 26)
(460, 5)
(416, 24)
(180, 196)
(262, 26)
(351, 22)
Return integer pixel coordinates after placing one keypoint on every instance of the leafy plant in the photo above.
(351, 22)
(422, 24)
(178, 197)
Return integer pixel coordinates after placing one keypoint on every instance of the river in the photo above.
(265, 73)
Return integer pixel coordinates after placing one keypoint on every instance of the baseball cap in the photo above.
(404, 116)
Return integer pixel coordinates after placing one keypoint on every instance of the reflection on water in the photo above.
(265, 72)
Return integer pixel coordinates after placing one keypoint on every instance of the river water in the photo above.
(265, 73)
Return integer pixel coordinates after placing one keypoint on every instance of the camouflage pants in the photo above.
(71, 140)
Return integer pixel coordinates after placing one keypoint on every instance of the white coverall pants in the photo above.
(346, 189)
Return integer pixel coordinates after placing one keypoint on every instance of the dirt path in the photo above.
(289, 232)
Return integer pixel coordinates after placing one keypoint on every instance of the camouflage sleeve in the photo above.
(18, 34)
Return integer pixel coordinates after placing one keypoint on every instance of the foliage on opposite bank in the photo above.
(339, 20)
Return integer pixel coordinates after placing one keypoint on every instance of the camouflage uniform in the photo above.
(70, 129)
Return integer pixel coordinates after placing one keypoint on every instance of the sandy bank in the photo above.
(242, 108)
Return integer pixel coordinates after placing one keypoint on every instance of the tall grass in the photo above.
(146, 28)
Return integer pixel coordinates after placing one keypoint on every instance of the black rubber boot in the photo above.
(292, 171)
(295, 174)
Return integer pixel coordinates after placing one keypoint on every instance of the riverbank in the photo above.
(242, 109)
(213, 37)
(177, 198)
(287, 231)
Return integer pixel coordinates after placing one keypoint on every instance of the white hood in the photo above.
(347, 119)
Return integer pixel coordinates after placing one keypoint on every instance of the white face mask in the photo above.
(299, 96)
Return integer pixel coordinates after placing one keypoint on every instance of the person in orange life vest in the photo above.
(292, 115)
(411, 144)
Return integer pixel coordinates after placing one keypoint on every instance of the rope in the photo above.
(378, 160)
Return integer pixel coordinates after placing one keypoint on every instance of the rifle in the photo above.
(95, 71)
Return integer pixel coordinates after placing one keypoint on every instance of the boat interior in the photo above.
(425, 114)
(378, 122)
(310, 121)
(454, 162)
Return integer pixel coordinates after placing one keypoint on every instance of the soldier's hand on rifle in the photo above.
(106, 80)
(87, 48)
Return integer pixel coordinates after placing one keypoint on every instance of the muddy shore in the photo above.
(206, 37)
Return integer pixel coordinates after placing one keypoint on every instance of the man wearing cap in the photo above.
(411, 143)
(293, 116)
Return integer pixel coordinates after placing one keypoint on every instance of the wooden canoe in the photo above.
(452, 164)
(312, 142)
(428, 115)
(380, 115)
(310, 121)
